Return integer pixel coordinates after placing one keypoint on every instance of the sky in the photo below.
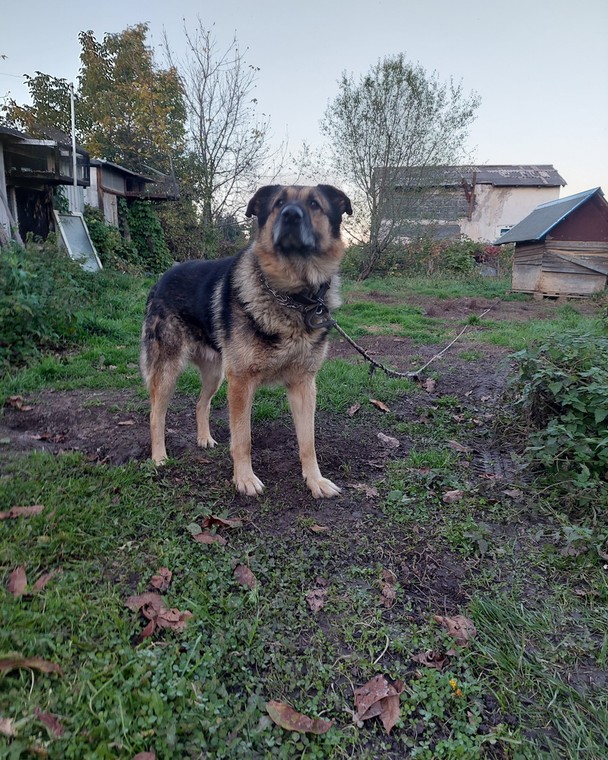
(540, 67)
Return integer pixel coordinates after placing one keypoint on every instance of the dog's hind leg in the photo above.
(212, 374)
(161, 386)
(302, 394)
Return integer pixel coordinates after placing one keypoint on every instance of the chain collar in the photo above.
(313, 308)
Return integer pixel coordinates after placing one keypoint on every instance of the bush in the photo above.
(562, 391)
(144, 229)
(41, 289)
(114, 251)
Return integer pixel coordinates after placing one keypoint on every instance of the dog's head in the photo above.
(299, 221)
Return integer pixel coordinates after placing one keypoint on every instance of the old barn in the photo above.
(561, 248)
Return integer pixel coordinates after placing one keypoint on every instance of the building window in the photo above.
(503, 230)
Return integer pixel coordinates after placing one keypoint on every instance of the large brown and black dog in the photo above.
(259, 318)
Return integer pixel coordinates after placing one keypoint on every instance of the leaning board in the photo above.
(76, 238)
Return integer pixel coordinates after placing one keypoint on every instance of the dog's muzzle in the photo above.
(292, 231)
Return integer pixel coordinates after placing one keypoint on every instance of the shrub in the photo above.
(41, 289)
(114, 251)
(144, 229)
(562, 390)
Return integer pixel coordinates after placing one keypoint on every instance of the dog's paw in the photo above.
(249, 485)
(322, 488)
(160, 459)
(206, 442)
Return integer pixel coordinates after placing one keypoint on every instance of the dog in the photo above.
(261, 317)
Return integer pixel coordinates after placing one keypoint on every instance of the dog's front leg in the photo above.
(302, 395)
(240, 398)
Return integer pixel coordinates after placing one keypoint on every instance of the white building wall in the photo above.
(497, 208)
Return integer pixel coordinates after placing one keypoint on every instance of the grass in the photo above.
(528, 573)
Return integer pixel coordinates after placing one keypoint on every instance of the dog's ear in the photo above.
(337, 198)
(258, 205)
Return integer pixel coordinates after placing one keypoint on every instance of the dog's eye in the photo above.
(313, 203)
(280, 202)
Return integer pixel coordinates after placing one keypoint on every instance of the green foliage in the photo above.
(147, 235)
(41, 289)
(114, 251)
(562, 388)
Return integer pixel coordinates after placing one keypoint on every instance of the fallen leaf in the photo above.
(319, 528)
(206, 537)
(153, 609)
(7, 727)
(145, 756)
(32, 663)
(316, 598)
(388, 441)
(449, 497)
(429, 384)
(18, 402)
(379, 405)
(17, 581)
(44, 579)
(245, 577)
(162, 579)
(458, 627)
(370, 491)
(286, 717)
(459, 447)
(513, 493)
(388, 590)
(221, 522)
(431, 659)
(51, 721)
(380, 698)
(127, 422)
(14, 512)
(352, 410)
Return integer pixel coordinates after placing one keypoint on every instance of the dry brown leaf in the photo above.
(7, 727)
(18, 402)
(319, 528)
(380, 698)
(206, 537)
(162, 579)
(286, 717)
(388, 590)
(379, 405)
(352, 410)
(152, 606)
(17, 581)
(126, 423)
(221, 522)
(455, 446)
(449, 497)
(370, 491)
(45, 578)
(15, 512)
(316, 598)
(431, 659)
(429, 385)
(51, 721)
(145, 756)
(388, 441)
(513, 493)
(17, 662)
(459, 627)
(245, 577)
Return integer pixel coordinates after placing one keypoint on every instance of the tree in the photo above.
(227, 144)
(128, 110)
(393, 126)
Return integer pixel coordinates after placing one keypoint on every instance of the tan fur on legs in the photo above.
(241, 390)
(211, 378)
(162, 385)
(302, 395)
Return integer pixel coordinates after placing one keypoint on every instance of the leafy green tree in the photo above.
(393, 125)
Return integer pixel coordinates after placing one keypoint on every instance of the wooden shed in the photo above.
(561, 248)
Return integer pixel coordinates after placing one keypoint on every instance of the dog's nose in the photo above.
(291, 214)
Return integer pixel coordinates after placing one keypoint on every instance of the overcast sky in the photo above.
(540, 66)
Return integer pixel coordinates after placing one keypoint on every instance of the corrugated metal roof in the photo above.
(545, 217)
(502, 175)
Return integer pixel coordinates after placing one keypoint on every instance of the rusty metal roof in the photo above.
(545, 217)
(503, 175)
